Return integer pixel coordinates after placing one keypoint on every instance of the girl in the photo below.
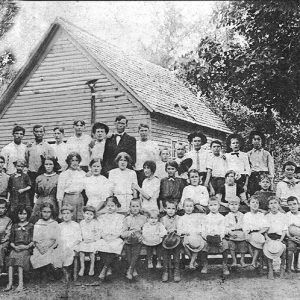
(70, 238)
(21, 244)
(46, 187)
(89, 231)
(97, 187)
(132, 233)
(70, 185)
(19, 185)
(198, 193)
(110, 227)
(46, 238)
(150, 187)
(153, 232)
(164, 155)
(122, 179)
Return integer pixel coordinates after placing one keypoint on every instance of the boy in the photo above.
(264, 193)
(164, 155)
(276, 232)
(5, 231)
(3, 179)
(96, 147)
(261, 161)
(216, 167)
(236, 237)
(238, 160)
(289, 185)
(171, 187)
(170, 221)
(60, 148)
(214, 233)
(293, 219)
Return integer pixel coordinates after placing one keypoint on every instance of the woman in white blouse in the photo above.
(70, 185)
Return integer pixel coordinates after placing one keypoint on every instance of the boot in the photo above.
(165, 275)
(129, 273)
(204, 269)
(177, 276)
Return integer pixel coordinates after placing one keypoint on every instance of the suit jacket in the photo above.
(127, 144)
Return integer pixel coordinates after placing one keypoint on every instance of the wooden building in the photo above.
(50, 89)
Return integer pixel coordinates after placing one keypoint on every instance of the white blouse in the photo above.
(111, 224)
(122, 180)
(255, 221)
(198, 194)
(190, 223)
(214, 224)
(278, 222)
(150, 187)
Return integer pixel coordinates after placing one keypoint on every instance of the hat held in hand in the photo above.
(273, 249)
(294, 230)
(194, 242)
(257, 240)
(171, 240)
(213, 240)
(134, 238)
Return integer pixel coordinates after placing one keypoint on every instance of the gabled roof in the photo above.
(155, 87)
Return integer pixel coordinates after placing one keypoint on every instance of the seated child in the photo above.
(214, 233)
(264, 193)
(170, 221)
(236, 237)
(190, 227)
(3, 178)
(229, 191)
(21, 244)
(254, 226)
(276, 232)
(153, 232)
(293, 219)
(132, 234)
(289, 186)
(70, 237)
(171, 187)
(5, 228)
(198, 193)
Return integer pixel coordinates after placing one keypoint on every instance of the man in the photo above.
(60, 148)
(79, 143)
(180, 152)
(14, 150)
(97, 146)
(146, 149)
(118, 142)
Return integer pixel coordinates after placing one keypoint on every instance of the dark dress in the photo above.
(21, 235)
(171, 189)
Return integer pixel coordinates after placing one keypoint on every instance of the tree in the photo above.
(8, 11)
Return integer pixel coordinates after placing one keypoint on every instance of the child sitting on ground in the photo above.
(236, 237)
(132, 233)
(170, 221)
(214, 233)
(276, 232)
(153, 232)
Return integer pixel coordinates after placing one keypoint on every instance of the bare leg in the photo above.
(81, 256)
(289, 261)
(282, 266)
(243, 264)
(10, 279)
(270, 269)
(233, 256)
(92, 264)
(225, 260)
(193, 260)
(205, 263)
(20, 286)
(254, 258)
(149, 257)
(159, 255)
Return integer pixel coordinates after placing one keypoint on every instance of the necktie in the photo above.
(118, 138)
(197, 161)
(236, 219)
(235, 153)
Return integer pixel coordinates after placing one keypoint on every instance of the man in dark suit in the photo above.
(118, 142)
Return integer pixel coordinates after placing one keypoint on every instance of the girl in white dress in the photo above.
(110, 229)
(122, 179)
(90, 234)
(97, 187)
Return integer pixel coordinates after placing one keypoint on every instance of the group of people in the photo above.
(112, 194)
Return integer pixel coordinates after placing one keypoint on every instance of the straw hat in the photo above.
(194, 242)
(134, 237)
(240, 236)
(171, 241)
(273, 249)
(294, 230)
(257, 240)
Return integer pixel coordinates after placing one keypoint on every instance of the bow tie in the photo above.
(171, 179)
(235, 153)
(290, 184)
(257, 150)
(119, 134)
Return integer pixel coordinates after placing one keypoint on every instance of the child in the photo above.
(289, 186)
(190, 226)
(70, 238)
(170, 222)
(171, 187)
(198, 193)
(46, 238)
(229, 191)
(153, 232)
(46, 188)
(21, 244)
(237, 160)
(70, 185)
(216, 167)
(261, 161)
(214, 233)
(254, 225)
(132, 234)
(89, 232)
(276, 232)
(236, 237)
(164, 155)
(293, 219)
(4, 178)
(110, 226)
(5, 231)
(122, 179)
(264, 193)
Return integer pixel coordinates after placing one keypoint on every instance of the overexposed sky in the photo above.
(120, 23)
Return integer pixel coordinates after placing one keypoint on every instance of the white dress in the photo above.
(110, 229)
(150, 187)
(190, 223)
(89, 231)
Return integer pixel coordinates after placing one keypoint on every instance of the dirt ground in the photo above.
(241, 284)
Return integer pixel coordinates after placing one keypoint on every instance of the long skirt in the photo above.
(20, 259)
(76, 201)
(112, 246)
(52, 256)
